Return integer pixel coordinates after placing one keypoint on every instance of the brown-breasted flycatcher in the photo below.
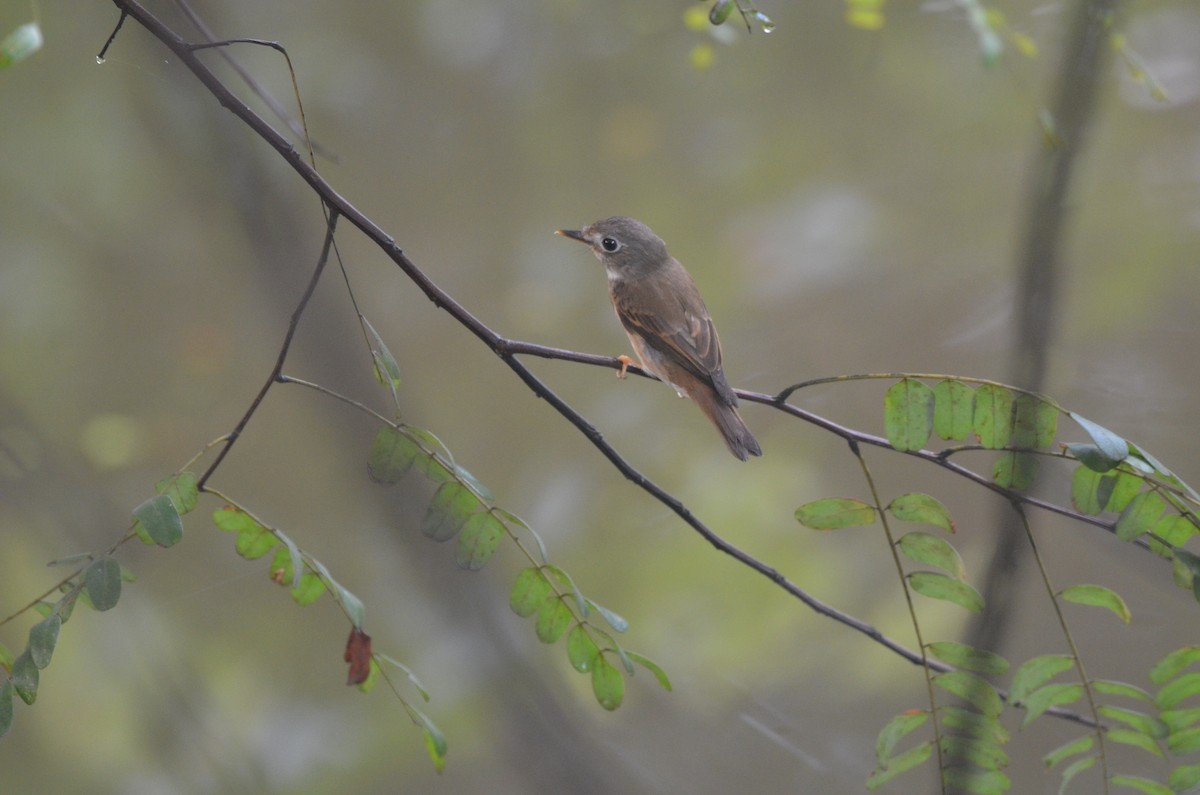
(667, 322)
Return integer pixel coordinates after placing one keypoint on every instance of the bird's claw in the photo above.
(625, 362)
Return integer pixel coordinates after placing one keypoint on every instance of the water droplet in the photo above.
(767, 23)
(100, 60)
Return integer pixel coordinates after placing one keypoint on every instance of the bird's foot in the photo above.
(625, 362)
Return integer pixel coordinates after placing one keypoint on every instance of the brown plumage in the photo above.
(666, 321)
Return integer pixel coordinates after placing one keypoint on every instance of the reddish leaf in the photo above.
(358, 654)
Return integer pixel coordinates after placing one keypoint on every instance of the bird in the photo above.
(666, 320)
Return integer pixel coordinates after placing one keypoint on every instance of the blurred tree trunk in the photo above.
(1039, 273)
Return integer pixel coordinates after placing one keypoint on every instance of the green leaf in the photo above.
(281, 570)
(159, 518)
(582, 651)
(234, 520)
(387, 372)
(1173, 663)
(6, 658)
(1091, 491)
(1078, 746)
(1052, 695)
(553, 619)
(25, 677)
(1184, 742)
(948, 589)
(835, 513)
(1140, 784)
(607, 684)
(1035, 422)
(969, 658)
(435, 741)
(1098, 596)
(1184, 777)
(908, 414)
(1074, 769)
(896, 730)
(974, 724)
(899, 764)
(1015, 470)
(478, 540)
(102, 583)
(1139, 721)
(6, 706)
(1177, 690)
(993, 416)
(933, 551)
(1180, 719)
(972, 689)
(1090, 456)
(1035, 672)
(917, 507)
(21, 43)
(392, 455)
(296, 569)
(1111, 446)
(43, 637)
(1139, 515)
(953, 409)
(309, 590)
(254, 543)
(652, 667)
(529, 592)
(183, 489)
(452, 504)
(1121, 487)
(1112, 688)
(1173, 530)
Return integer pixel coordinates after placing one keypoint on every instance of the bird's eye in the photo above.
(610, 244)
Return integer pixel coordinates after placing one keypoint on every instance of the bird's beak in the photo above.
(574, 234)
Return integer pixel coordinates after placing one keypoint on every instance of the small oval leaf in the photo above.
(1099, 596)
(392, 455)
(528, 592)
(908, 414)
(896, 730)
(835, 513)
(161, 521)
(917, 507)
(607, 684)
(933, 551)
(993, 418)
(953, 409)
(478, 540)
(948, 589)
(43, 637)
(102, 582)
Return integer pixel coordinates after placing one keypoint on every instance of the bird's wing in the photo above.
(684, 335)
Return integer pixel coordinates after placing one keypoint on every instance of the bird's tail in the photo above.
(737, 436)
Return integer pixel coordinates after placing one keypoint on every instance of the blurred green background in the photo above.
(848, 201)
